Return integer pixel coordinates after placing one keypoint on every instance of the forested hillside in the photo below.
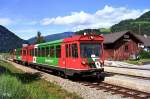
(140, 25)
(9, 40)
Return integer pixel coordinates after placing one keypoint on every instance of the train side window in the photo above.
(39, 52)
(69, 50)
(20, 52)
(43, 51)
(30, 52)
(17, 52)
(58, 51)
(47, 51)
(52, 51)
(24, 52)
(35, 52)
(74, 50)
(66, 46)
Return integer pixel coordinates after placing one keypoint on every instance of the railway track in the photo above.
(134, 76)
(114, 89)
(130, 68)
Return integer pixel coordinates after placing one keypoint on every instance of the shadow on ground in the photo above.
(93, 79)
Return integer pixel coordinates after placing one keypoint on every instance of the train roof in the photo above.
(75, 38)
(51, 42)
(85, 37)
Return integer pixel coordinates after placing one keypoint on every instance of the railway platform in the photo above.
(129, 82)
(128, 71)
(128, 75)
(120, 64)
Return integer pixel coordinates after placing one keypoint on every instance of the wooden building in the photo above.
(121, 45)
(146, 41)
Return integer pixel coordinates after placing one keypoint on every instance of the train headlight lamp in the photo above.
(91, 37)
(83, 62)
(101, 61)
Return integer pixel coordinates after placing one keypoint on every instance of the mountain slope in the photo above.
(140, 25)
(9, 40)
(53, 37)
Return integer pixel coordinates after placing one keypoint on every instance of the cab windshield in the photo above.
(88, 49)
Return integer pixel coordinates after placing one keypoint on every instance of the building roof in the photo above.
(145, 40)
(112, 37)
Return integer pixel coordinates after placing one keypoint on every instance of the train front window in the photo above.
(88, 49)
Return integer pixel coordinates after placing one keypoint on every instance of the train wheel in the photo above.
(100, 76)
(26, 64)
(64, 75)
(76, 77)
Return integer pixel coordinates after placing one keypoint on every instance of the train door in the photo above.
(24, 54)
(62, 60)
(30, 53)
(72, 60)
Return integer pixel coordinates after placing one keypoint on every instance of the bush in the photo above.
(145, 54)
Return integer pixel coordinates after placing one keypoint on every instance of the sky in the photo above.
(26, 17)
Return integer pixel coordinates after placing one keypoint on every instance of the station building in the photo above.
(122, 45)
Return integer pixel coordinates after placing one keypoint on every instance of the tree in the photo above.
(39, 38)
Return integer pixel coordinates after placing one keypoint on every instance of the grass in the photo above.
(137, 62)
(15, 84)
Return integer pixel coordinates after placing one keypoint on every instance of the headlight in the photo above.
(83, 62)
(101, 61)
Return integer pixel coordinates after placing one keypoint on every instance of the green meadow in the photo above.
(15, 84)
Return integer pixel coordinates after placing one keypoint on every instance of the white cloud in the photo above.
(105, 17)
(5, 21)
(74, 18)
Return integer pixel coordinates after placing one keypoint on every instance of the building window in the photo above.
(58, 51)
(126, 48)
